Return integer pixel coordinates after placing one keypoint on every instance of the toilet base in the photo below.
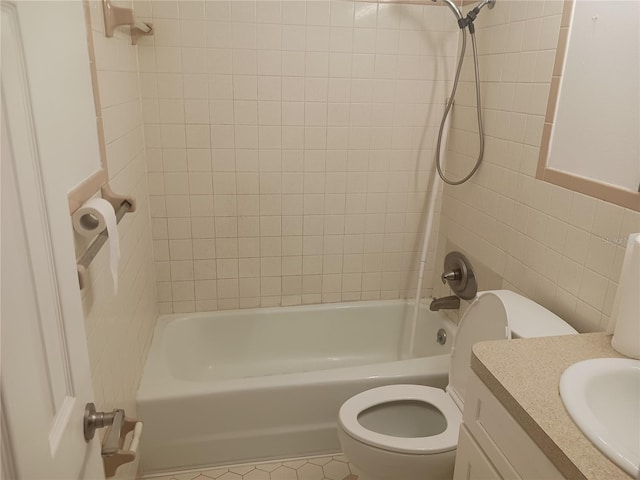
(378, 464)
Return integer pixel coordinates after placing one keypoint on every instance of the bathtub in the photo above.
(249, 385)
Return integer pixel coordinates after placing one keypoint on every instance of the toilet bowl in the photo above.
(410, 432)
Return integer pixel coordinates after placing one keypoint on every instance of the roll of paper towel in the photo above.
(91, 219)
(626, 310)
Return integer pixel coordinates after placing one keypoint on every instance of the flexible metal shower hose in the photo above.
(448, 108)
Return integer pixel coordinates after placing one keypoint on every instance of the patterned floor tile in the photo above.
(186, 476)
(257, 474)
(335, 467)
(230, 476)
(295, 464)
(215, 473)
(309, 471)
(284, 473)
(336, 470)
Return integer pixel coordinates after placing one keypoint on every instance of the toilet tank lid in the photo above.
(527, 319)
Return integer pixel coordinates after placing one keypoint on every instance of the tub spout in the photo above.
(446, 303)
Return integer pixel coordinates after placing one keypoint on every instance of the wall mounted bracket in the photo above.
(118, 16)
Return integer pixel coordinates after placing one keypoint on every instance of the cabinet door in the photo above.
(471, 462)
(508, 446)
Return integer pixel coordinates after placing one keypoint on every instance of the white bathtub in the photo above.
(239, 386)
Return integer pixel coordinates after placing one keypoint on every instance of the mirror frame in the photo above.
(593, 188)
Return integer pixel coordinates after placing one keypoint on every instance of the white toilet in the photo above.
(410, 432)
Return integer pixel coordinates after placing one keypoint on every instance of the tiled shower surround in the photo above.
(290, 147)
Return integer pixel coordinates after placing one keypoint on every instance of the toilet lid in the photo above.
(442, 442)
(485, 319)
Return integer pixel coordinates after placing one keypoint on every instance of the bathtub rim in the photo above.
(163, 319)
(157, 383)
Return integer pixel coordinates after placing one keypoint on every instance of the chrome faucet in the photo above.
(446, 303)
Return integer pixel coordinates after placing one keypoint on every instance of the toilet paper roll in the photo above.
(626, 310)
(91, 219)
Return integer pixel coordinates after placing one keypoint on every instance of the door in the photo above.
(46, 377)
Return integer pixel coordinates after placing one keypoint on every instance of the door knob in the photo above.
(94, 420)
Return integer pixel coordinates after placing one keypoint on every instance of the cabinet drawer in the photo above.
(504, 441)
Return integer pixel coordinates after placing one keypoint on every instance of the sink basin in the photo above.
(602, 397)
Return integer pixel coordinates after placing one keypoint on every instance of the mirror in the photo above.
(591, 136)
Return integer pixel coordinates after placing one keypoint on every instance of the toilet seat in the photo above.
(442, 442)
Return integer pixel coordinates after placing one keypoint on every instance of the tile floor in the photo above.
(335, 467)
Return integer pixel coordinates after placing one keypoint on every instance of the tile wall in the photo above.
(560, 248)
(289, 147)
(119, 327)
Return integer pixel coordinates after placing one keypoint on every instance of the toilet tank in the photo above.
(527, 319)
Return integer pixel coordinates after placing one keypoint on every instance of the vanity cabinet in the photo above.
(492, 445)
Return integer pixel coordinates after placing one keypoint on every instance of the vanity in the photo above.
(515, 425)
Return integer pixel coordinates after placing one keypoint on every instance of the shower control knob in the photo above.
(458, 273)
(451, 276)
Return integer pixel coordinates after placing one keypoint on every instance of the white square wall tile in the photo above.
(193, 33)
(197, 112)
(167, 32)
(194, 60)
(198, 136)
(607, 220)
(243, 11)
(269, 11)
(173, 136)
(341, 14)
(293, 12)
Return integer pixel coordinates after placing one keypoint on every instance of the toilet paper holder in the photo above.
(122, 205)
(113, 452)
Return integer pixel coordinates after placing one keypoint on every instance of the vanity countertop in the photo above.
(524, 375)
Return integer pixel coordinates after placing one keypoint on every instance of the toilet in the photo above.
(410, 432)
